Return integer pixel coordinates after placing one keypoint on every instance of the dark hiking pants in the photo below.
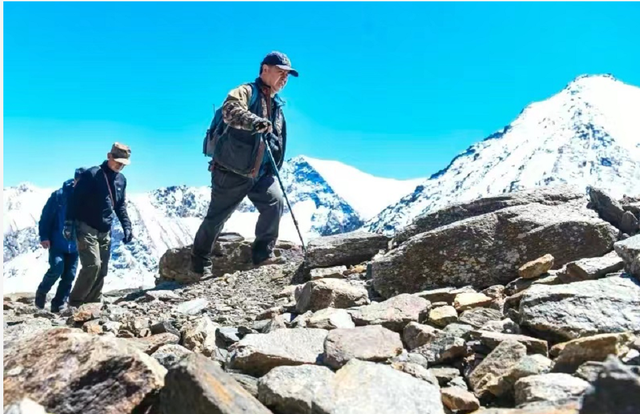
(61, 266)
(94, 248)
(227, 192)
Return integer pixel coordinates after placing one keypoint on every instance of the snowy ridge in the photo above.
(169, 217)
(588, 134)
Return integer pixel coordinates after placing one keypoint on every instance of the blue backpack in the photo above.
(219, 127)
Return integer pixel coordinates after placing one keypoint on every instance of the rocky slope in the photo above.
(554, 329)
(586, 135)
(322, 194)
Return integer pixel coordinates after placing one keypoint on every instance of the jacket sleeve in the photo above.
(121, 210)
(47, 218)
(80, 192)
(235, 109)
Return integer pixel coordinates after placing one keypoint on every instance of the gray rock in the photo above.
(615, 390)
(198, 385)
(478, 317)
(442, 316)
(506, 326)
(257, 354)
(293, 389)
(536, 268)
(200, 335)
(152, 343)
(608, 208)
(486, 250)
(556, 195)
(367, 387)
(548, 388)
(192, 307)
(227, 336)
(457, 399)
(445, 294)
(417, 371)
(249, 383)
(329, 293)
(331, 318)
(410, 357)
(169, 355)
(492, 339)
(499, 362)
(580, 309)
(321, 273)
(22, 331)
(24, 406)
(393, 314)
(594, 267)
(589, 371)
(629, 251)
(344, 249)
(65, 369)
(457, 329)
(527, 366)
(445, 375)
(367, 343)
(435, 345)
(629, 223)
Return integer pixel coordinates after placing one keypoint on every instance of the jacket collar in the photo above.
(266, 90)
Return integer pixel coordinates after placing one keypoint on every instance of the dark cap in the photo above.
(280, 60)
(121, 153)
(78, 172)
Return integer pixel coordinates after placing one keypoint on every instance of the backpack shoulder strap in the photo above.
(254, 94)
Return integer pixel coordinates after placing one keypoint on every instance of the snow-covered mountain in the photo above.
(327, 197)
(587, 134)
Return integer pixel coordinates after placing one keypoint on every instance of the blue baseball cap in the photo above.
(280, 60)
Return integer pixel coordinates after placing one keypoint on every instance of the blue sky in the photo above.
(394, 89)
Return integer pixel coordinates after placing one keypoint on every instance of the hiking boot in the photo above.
(266, 257)
(40, 300)
(201, 267)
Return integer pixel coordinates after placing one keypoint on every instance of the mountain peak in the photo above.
(591, 81)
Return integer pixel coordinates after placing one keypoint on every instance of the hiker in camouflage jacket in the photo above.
(240, 166)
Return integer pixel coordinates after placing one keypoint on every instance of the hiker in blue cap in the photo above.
(240, 167)
(63, 253)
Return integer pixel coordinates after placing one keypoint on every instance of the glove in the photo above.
(128, 236)
(67, 230)
(262, 125)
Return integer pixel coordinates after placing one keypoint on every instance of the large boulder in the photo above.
(198, 385)
(231, 253)
(575, 310)
(488, 250)
(612, 211)
(394, 313)
(366, 343)
(65, 370)
(344, 249)
(329, 293)
(629, 251)
(555, 195)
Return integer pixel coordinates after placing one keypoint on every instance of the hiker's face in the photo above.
(113, 164)
(275, 77)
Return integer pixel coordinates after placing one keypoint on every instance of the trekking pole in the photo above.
(275, 170)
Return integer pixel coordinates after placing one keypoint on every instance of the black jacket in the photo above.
(91, 200)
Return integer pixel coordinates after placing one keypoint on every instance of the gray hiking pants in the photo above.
(94, 249)
(227, 192)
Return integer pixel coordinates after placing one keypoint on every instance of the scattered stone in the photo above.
(445, 374)
(592, 348)
(293, 389)
(529, 365)
(478, 317)
(536, 268)
(249, 383)
(200, 336)
(64, 370)
(497, 363)
(92, 327)
(169, 355)
(366, 343)
(446, 294)
(410, 357)
(197, 385)
(227, 336)
(492, 339)
(580, 309)
(589, 371)
(505, 326)
(192, 307)
(457, 329)
(24, 406)
(435, 345)
(442, 316)
(329, 293)
(629, 251)
(465, 301)
(494, 292)
(321, 273)
(548, 388)
(331, 318)
(163, 327)
(416, 370)
(163, 295)
(608, 208)
(393, 314)
(21, 332)
(594, 267)
(257, 354)
(152, 343)
(344, 249)
(87, 312)
(457, 399)
(615, 390)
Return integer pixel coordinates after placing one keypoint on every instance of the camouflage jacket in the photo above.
(240, 150)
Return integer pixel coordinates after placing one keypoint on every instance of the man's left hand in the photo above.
(128, 236)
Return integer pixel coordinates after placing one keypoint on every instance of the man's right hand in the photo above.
(263, 125)
(45, 243)
(67, 232)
